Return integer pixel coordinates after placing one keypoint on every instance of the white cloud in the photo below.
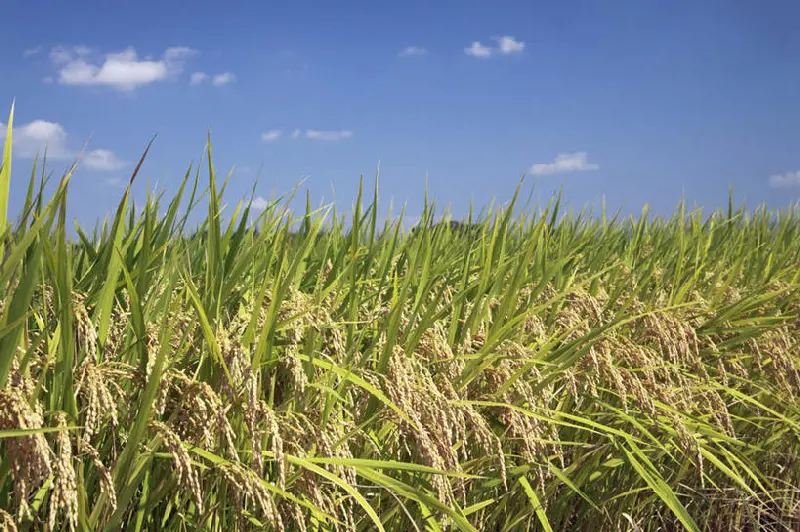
(197, 78)
(259, 203)
(61, 55)
(114, 181)
(789, 179)
(413, 51)
(317, 134)
(30, 52)
(102, 161)
(509, 45)
(121, 70)
(178, 53)
(478, 50)
(565, 162)
(271, 135)
(223, 79)
(506, 45)
(330, 135)
(33, 138)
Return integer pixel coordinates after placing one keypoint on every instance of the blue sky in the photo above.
(637, 101)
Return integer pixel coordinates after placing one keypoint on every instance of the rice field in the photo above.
(328, 370)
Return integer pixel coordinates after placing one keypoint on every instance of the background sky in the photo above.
(637, 101)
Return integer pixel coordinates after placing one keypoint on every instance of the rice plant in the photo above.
(544, 370)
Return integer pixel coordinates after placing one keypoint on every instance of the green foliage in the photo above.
(540, 370)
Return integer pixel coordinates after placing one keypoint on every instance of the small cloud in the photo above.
(61, 55)
(565, 162)
(413, 51)
(509, 45)
(478, 50)
(789, 179)
(178, 53)
(122, 71)
(259, 203)
(197, 78)
(47, 80)
(316, 134)
(30, 52)
(113, 181)
(35, 137)
(506, 45)
(223, 79)
(32, 139)
(102, 161)
(296, 133)
(271, 135)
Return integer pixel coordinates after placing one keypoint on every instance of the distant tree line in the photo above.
(457, 227)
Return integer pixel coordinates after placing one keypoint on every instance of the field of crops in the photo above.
(545, 370)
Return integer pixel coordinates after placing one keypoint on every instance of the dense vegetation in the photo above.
(543, 370)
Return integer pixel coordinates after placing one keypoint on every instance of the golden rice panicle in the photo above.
(17, 380)
(100, 393)
(525, 430)
(487, 440)
(201, 417)
(334, 341)
(30, 456)
(329, 442)
(676, 341)
(7, 523)
(86, 334)
(530, 431)
(236, 359)
(324, 272)
(244, 485)
(722, 372)
(106, 481)
(186, 475)
(332, 442)
(688, 443)
(261, 420)
(295, 513)
(434, 347)
(252, 414)
(309, 484)
(579, 311)
(271, 421)
(64, 495)
(714, 404)
(153, 346)
(291, 361)
(534, 329)
(409, 386)
(776, 347)
(226, 434)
